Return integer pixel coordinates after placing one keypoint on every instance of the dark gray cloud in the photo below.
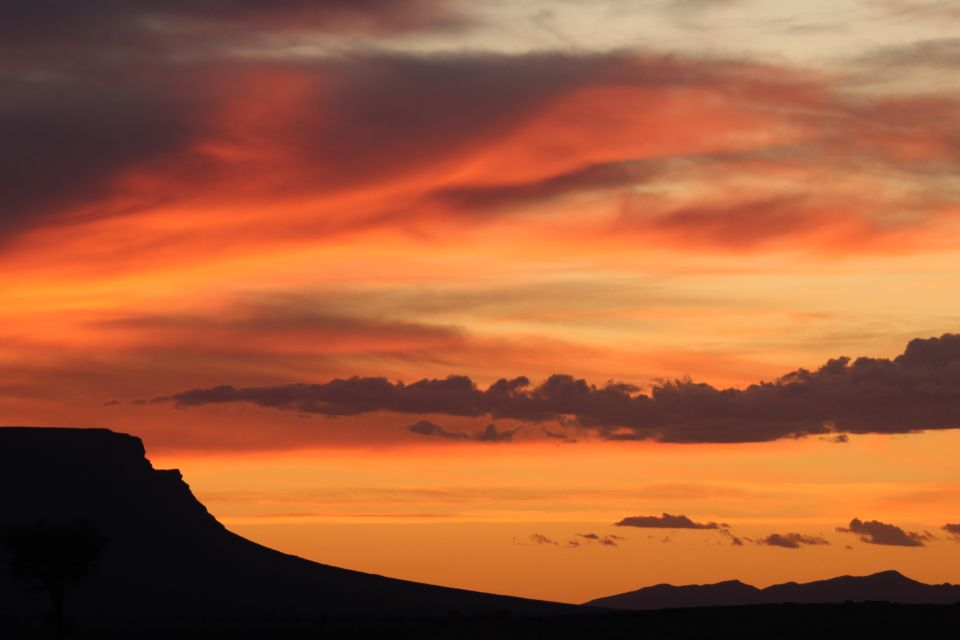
(791, 540)
(953, 530)
(874, 532)
(96, 92)
(734, 540)
(77, 117)
(428, 428)
(556, 435)
(666, 521)
(604, 540)
(574, 543)
(490, 433)
(67, 143)
(917, 390)
(113, 22)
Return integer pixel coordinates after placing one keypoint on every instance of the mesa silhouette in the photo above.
(886, 586)
(167, 556)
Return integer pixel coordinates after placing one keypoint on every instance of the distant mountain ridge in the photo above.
(166, 555)
(886, 586)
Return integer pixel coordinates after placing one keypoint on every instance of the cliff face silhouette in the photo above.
(886, 586)
(166, 555)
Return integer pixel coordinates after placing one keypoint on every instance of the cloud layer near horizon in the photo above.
(792, 540)
(875, 532)
(666, 521)
(917, 390)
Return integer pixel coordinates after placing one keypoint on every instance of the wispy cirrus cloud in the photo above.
(459, 137)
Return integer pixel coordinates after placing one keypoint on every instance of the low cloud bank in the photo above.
(791, 540)
(917, 390)
(874, 532)
(666, 521)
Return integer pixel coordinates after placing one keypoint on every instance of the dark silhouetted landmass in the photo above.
(170, 570)
(762, 622)
(52, 558)
(167, 556)
(887, 586)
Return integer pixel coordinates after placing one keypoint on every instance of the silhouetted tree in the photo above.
(53, 557)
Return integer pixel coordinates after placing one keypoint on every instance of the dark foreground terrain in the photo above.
(165, 555)
(885, 586)
(167, 569)
(767, 622)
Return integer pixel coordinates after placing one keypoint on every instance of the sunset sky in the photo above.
(545, 298)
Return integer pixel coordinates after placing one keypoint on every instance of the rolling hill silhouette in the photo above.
(166, 555)
(886, 586)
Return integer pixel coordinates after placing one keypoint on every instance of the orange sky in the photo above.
(640, 193)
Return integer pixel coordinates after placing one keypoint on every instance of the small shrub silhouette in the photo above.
(53, 557)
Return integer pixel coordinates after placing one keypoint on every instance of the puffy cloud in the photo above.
(557, 435)
(919, 389)
(953, 530)
(735, 541)
(666, 521)
(874, 532)
(490, 433)
(791, 540)
(428, 428)
(605, 540)
(539, 538)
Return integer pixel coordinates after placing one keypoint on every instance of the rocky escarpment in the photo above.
(167, 555)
